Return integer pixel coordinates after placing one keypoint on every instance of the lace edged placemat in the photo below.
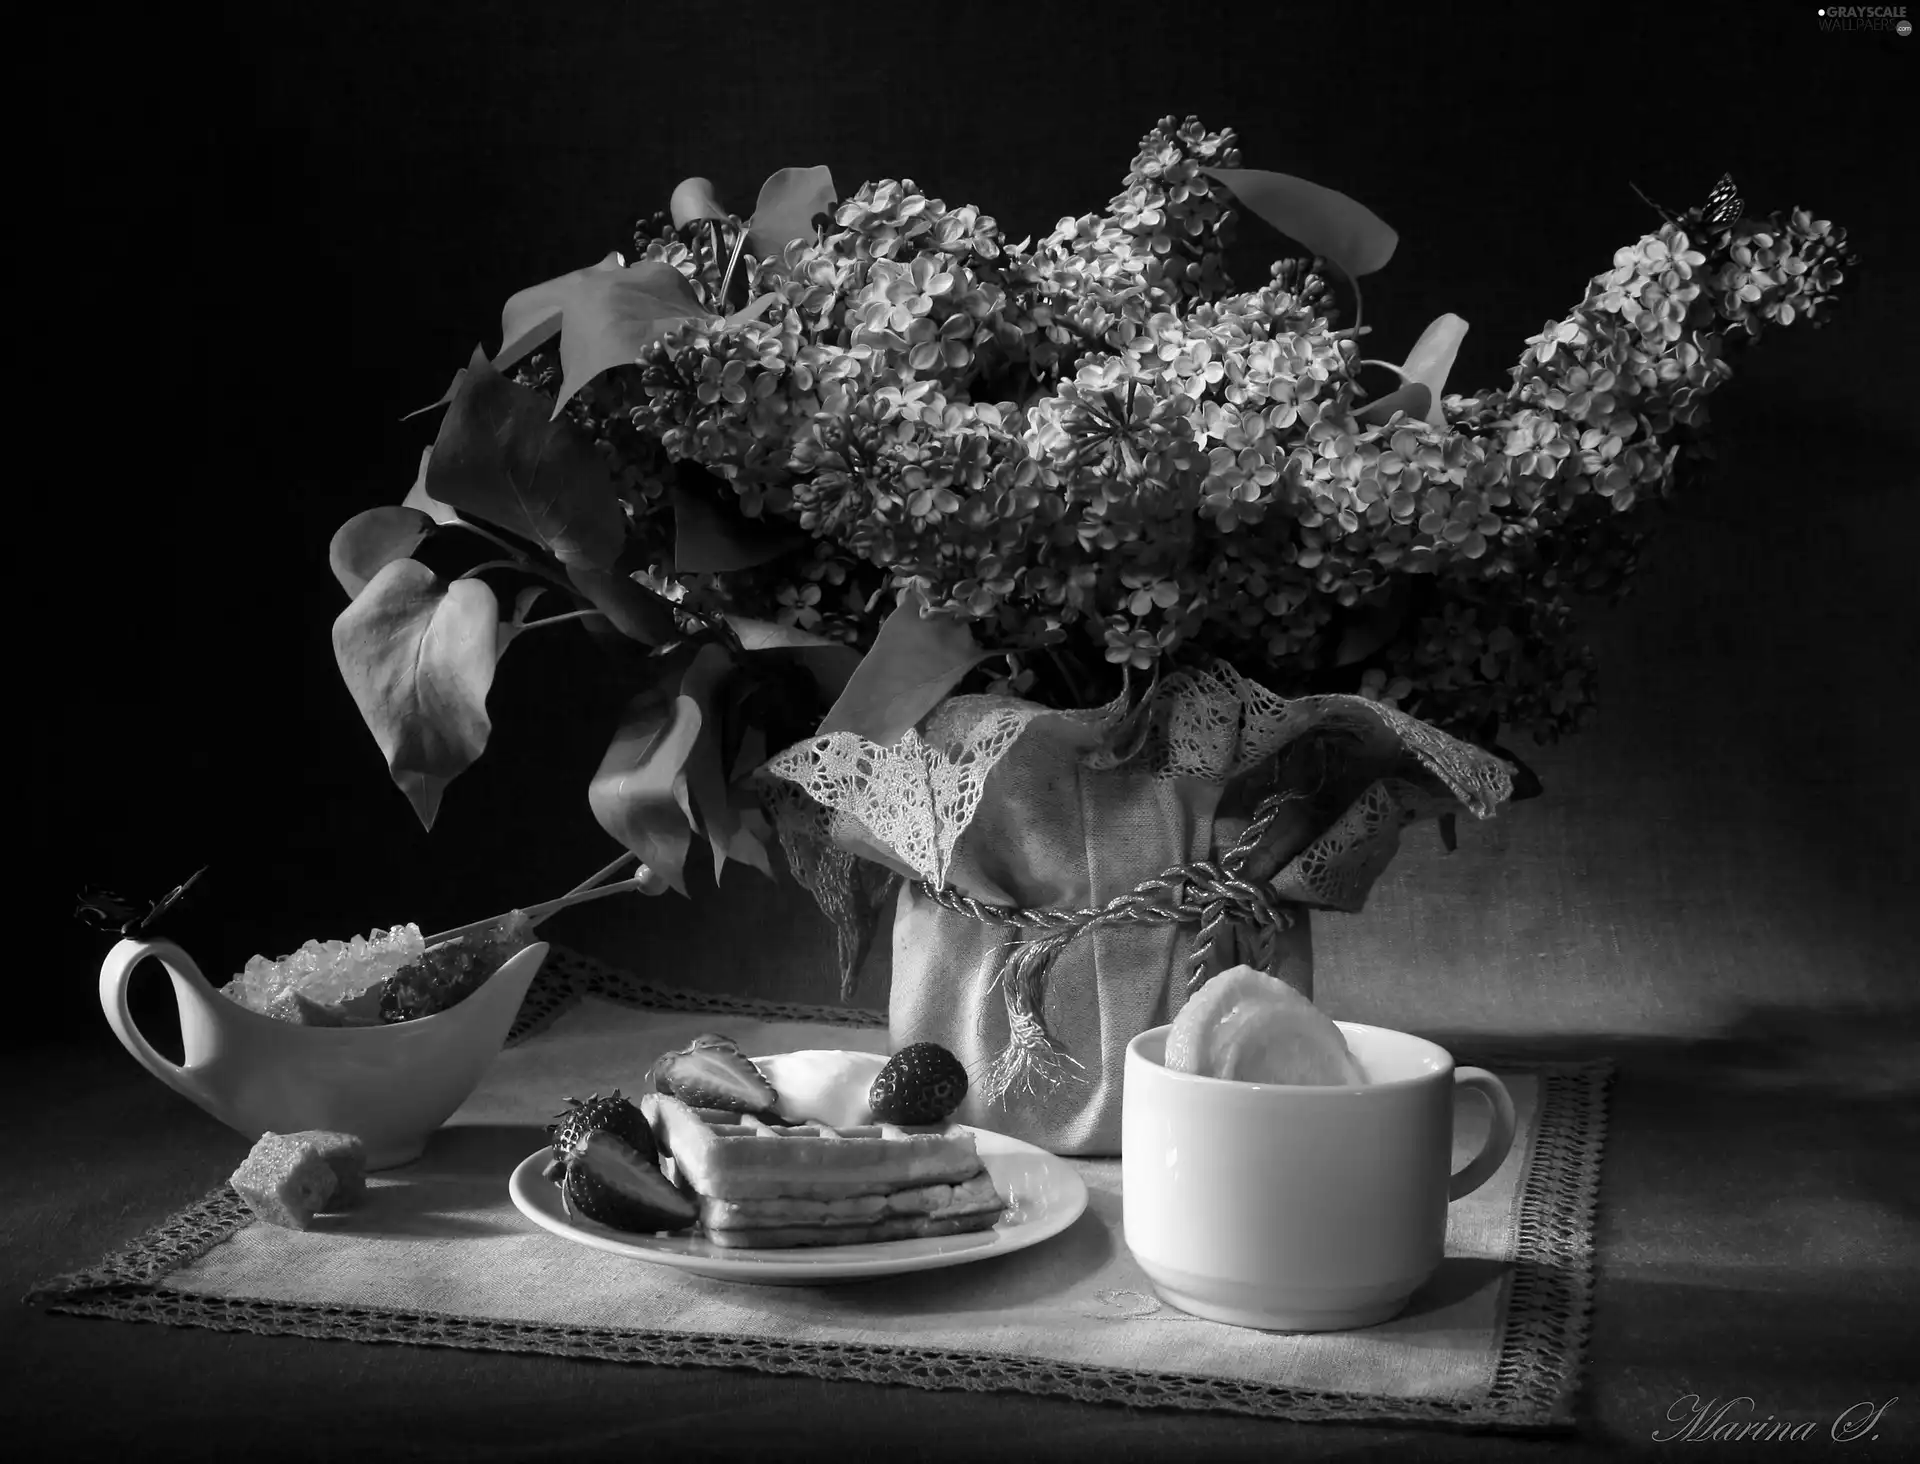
(1514, 1340)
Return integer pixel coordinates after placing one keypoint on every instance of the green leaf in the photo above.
(753, 752)
(710, 539)
(1413, 399)
(786, 206)
(1330, 224)
(612, 317)
(1431, 361)
(418, 657)
(500, 457)
(767, 635)
(532, 317)
(640, 794)
(368, 542)
(522, 608)
(706, 800)
(635, 611)
(915, 661)
(829, 662)
(752, 310)
(418, 497)
(447, 395)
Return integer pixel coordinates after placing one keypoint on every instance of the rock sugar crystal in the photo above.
(446, 974)
(328, 974)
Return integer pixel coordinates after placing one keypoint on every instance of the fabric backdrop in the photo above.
(313, 213)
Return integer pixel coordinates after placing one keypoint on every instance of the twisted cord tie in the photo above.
(1223, 898)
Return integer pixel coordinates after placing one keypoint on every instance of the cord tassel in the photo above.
(1031, 1063)
(1233, 913)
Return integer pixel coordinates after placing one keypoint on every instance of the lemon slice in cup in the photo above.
(1246, 1026)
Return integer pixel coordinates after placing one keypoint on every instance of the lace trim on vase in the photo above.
(1538, 1368)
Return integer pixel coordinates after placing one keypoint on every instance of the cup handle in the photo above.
(1493, 1153)
(115, 973)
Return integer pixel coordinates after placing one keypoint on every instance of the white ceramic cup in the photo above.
(1298, 1209)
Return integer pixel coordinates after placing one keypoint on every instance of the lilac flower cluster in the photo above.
(1103, 456)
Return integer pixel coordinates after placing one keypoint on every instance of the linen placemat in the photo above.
(438, 1255)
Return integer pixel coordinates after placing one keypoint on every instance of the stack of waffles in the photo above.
(776, 1185)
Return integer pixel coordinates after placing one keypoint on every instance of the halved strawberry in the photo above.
(608, 1180)
(715, 1077)
(615, 1114)
(656, 1075)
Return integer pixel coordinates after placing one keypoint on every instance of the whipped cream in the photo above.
(823, 1085)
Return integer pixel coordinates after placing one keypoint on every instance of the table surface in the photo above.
(1757, 1238)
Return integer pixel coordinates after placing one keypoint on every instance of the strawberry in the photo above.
(656, 1075)
(607, 1180)
(615, 1115)
(920, 1084)
(712, 1076)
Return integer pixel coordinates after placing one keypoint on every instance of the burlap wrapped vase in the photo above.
(1061, 881)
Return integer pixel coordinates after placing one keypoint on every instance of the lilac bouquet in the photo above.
(822, 467)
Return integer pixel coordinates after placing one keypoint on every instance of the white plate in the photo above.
(1044, 1196)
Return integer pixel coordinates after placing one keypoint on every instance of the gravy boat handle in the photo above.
(190, 989)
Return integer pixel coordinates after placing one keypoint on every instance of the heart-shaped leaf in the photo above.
(706, 801)
(368, 542)
(614, 316)
(532, 317)
(500, 457)
(1430, 362)
(640, 794)
(418, 497)
(786, 206)
(1330, 224)
(709, 538)
(915, 661)
(418, 657)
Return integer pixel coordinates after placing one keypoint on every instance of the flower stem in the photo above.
(519, 561)
(489, 536)
(739, 243)
(495, 564)
(556, 619)
(713, 244)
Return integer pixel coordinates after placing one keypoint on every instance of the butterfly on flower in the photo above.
(104, 910)
(1724, 204)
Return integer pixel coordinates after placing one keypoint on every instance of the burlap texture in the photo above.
(1054, 833)
(1067, 812)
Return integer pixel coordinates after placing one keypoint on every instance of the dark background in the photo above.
(282, 230)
